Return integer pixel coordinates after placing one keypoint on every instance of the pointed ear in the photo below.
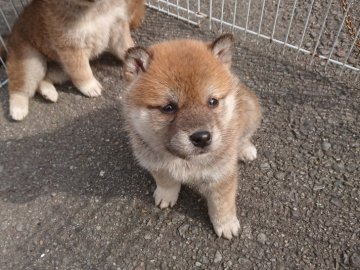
(222, 48)
(137, 61)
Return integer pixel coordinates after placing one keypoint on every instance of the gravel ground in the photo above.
(72, 196)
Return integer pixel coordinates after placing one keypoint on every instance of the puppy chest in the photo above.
(94, 33)
(184, 171)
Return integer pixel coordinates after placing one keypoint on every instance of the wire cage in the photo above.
(325, 32)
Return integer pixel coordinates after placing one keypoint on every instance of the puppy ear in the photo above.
(222, 48)
(137, 60)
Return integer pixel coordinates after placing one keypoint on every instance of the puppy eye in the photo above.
(170, 108)
(213, 102)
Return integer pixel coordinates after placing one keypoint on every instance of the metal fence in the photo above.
(326, 32)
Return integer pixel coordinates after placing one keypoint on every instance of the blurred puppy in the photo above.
(190, 120)
(70, 33)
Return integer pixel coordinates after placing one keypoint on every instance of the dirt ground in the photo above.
(72, 196)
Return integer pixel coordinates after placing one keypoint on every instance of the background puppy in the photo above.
(69, 32)
(190, 120)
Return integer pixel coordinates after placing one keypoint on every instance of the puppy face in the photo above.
(181, 97)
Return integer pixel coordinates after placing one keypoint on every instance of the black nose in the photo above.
(201, 138)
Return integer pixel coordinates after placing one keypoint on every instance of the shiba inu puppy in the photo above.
(70, 33)
(190, 120)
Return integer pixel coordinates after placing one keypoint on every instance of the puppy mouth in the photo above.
(90, 2)
(187, 156)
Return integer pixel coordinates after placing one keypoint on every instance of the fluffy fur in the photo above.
(190, 120)
(68, 32)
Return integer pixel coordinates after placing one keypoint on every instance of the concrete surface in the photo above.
(72, 196)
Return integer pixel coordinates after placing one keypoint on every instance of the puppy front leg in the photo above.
(247, 150)
(222, 207)
(120, 40)
(77, 66)
(167, 190)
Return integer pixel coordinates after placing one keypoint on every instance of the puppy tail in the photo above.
(136, 9)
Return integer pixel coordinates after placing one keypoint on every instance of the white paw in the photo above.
(228, 228)
(247, 152)
(166, 197)
(91, 89)
(48, 91)
(19, 107)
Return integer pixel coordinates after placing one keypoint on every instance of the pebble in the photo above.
(280, 176)
(183, 229)
(150, 266)
(269, 155)
(295, 212)
(198, 264)
(324, 51)
(204, 259)
(325, 146)
(102, 173)
(313, 34)
(4, 226)
(352, 60)
(346, 258)
(98, 228)
(261, 238)
(246, 232)
(338, 167)
(336, 201)
(218, 257)
(19, 227)
(164, 266)
(244, 263)
(355, 260)
(149, 223)
(265, 166)
(308, 45)
(340, 53)
(228, 264)
(318, 187)
(338, 183)
(147, 237)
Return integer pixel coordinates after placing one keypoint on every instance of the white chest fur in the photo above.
(93, 31)
(187, 171)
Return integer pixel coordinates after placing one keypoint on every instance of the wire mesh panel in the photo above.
(327, 31)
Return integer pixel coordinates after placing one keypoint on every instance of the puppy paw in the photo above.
(48, 91)
(247, 152)
(166, 197)
(91, 88)
(19, 107)
(228, 228)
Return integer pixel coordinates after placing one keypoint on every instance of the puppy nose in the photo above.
(200, 138)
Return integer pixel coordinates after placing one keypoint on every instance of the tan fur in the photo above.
(189, 73)
(136, 12)
(69, 32)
